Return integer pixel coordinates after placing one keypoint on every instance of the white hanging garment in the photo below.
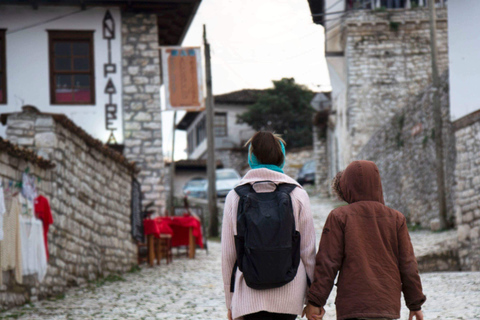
(34, 258)
(2, 212)
(28, 207)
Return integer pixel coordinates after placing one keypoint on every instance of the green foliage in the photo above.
(394, 26)
(105, 280)
(425, 141)
(284, 109)
(135, 269)
(414, 227)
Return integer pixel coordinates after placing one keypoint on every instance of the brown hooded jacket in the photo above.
(369, 244)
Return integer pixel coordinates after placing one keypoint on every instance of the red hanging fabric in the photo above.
(43, 212)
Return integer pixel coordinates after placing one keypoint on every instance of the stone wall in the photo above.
(233, 158)
(467, 190)
(320, 154)
(295, 159)
(141, 103)
(404, 151)
(238, 159)
(388, 61)
(89, 191)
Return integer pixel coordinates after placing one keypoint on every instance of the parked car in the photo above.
(306, 174)
(227, 179)
(196, 188)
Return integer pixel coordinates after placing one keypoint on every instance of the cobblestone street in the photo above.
(192, 289)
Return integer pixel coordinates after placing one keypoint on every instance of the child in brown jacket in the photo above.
(368, 244)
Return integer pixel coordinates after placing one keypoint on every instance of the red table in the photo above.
(185, 231)
(156, 227)
(180, 227)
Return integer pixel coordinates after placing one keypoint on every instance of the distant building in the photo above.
(230, 136)
(378, 56)
(98, 63)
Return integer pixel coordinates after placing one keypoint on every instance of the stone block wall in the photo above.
(233, 158)
(467, 190)
(141, 103)
(404, 151)
(295, 159)
(320, 154)
(238, 159)
(387, 61)
(89, 191)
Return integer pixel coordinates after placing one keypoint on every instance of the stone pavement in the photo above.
(193, 290)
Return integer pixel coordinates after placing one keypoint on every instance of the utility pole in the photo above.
(172, 168)
(437, 117)
(211, 164)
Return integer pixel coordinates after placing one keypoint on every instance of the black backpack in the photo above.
(267, 244)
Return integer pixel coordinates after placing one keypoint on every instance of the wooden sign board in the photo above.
(182, 78)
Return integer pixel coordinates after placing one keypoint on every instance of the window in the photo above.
(72, 79)
(201, 131)
(191, 141)
(3, 74)
(220, 124)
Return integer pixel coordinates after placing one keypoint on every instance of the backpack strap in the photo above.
(243, 190)
(286, 187)
(232, 278)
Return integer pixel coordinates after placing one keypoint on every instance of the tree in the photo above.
(284, 109)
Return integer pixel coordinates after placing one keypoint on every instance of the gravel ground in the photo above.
(193, 289)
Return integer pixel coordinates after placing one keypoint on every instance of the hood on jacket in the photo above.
(361, 182)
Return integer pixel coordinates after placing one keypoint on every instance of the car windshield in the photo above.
(196, 183)
(226, 175)
(310, 166)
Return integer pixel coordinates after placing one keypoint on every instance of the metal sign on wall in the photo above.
(183, 78)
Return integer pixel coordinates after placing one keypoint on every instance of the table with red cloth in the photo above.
(185, 231)
(181, 227)
(156, 227)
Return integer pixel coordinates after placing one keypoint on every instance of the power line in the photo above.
(47, 21)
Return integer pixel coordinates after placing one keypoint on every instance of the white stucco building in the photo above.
(97, 62)
(230, 136)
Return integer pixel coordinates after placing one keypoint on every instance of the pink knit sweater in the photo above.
(291, 297)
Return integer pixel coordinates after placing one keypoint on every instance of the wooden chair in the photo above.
(142, 249)
(163, 248)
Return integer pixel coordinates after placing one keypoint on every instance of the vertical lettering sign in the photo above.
(183, 81)
(111, 109)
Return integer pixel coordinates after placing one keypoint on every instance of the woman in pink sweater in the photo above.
(286, 299)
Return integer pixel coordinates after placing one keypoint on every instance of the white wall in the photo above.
(237, 133)
(464, 53)
(28, 62)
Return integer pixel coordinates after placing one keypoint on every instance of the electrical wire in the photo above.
(47, 21)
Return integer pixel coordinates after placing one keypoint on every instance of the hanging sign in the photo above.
(182, 78)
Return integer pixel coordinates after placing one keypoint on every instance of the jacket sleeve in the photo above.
(307, 231)
(411, 283)
(328, 261)
(228, 243)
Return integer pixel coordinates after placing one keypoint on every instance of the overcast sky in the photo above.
(254, 42)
